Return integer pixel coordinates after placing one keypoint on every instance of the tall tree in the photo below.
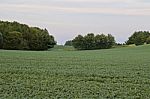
(13, 40)
(78, 42)
(68, 43)
(1, 40)
(111, 41)
(101, 41)
(148, 40)
(138, 38)
(41, 40)
(51, 42)
(89, 41)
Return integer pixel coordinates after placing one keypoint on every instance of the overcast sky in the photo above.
(65, 19)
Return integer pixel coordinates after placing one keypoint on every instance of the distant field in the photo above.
(114, 73)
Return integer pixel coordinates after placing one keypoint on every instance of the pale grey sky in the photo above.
(65, 19)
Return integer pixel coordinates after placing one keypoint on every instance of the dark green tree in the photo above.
(68, 43)
(51, 41)
(1, 40)
(148, 40)
(78, 42)
(90, 42)
(13, 40)
(101, 41)
(138, 38)
(41, 40)
(110, 41)
(33, 38)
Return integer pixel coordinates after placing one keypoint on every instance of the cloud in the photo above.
(66, 18)
(145, 11)
(99, 1)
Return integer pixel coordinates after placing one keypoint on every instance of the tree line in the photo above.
(16, 36)
(103, 41)
(91, 41)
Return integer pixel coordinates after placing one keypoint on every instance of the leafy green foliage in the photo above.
(13, 40)
(78, 42)
(121, 73)
(91, 42)
(138, 38)
(69, 43)
(148, 40)
(33, 38)
(51, 41)
(1, 40)
(40, 40)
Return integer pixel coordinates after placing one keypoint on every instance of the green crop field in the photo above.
(120, 73)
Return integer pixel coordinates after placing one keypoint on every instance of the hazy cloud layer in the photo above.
(67, 18)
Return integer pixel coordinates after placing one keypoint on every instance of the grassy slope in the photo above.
(114, 73)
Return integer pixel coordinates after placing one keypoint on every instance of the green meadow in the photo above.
(119, 73)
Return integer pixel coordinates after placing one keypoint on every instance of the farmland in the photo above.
(113, 73)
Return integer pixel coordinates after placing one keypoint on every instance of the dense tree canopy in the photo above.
(1, 40)
(68, 43)
(13, 40)
(21, 36)
(90, 41)
(78, 42)
(148, 40)
(138, 38)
